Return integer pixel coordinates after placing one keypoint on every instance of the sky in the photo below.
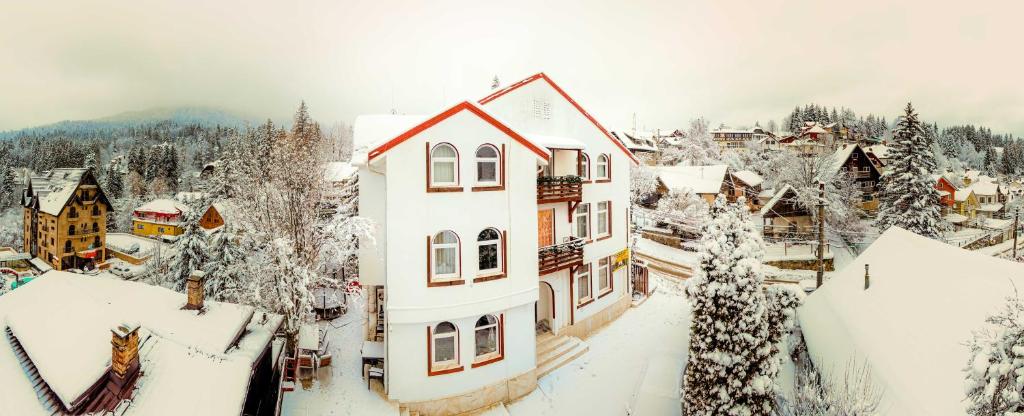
(732, 62)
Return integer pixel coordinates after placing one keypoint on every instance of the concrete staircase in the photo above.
(555, 351)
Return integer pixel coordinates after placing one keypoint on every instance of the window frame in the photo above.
(498, 167)
(606, 276)
(607, 220)
(603, 160)
(434, 367)
(579, 215)
(584, 167)
(447, 279)
(499, 341)
(583, 272)
(499, 244)
(432, 184)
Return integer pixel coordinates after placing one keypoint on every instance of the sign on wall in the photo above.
(621, 259)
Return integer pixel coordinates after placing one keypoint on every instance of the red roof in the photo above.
(463, 106)
(495, 95)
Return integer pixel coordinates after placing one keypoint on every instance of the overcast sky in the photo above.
(667, 61)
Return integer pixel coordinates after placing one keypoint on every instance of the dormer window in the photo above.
(444, 162)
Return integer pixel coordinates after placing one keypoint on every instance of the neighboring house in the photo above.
(747, 184)
(785, 217)
(465, 306)
(817, 132)
(908, 321)
(879, 153)
(213, 217)
(948, 201)
(965, 204)
(851, 160)
(802, 147)
(158, 217)
(102, 345)
(65, 219)
(736, 139)
(988, 199)
(704, 181)
(770, 143)
(637, 143)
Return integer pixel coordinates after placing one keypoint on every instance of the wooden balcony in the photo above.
(551, 259)
(559, 189)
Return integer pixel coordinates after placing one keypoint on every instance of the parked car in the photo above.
(123, 271)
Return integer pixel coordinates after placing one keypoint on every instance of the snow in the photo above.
(163, 206)
(666, 253)
(838, 159)
(699, 179)
(68, 338)
(984, 188)
(122, 242)
(993, 207)
(879, 150)
(749, 177)
(56, 188)
(770, 205)
(554, 142)
(781, 252)
(372, 130)
(339, 171)
(924, 301)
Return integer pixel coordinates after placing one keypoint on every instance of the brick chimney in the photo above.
(124, 360)
(867, 277)
(196, 294)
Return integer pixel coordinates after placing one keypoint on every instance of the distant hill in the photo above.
(206, 117)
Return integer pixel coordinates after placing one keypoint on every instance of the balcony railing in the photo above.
(560, 256)
(559, 189)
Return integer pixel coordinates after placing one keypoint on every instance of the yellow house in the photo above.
(65, 218)
(158, 217)
(966, 203)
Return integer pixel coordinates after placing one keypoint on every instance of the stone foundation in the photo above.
(586, 327)
(501, 392)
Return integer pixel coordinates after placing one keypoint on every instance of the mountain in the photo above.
(181, 116)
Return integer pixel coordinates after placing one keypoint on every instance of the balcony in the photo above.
(559, 189)
(560, 256)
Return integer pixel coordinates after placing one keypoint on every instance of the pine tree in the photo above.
(731, 369)
(114, 186)
(90, 163)
(908, 198)
(224, 271)
(191, 249)
(990, 159)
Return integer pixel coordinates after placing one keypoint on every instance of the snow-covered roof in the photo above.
(555, 142)
(997, 224)
(55, 187)
(339, 171)
(370, 130)
(879, 150)
(699, 179)
(955, 218)
(962, 194)
(163, 206)
(972, 174)
(770, 205)
(766, 193)
(188, 197)
(984, 188)
(205, 357)
(638, 142)
(748, 177)
(991, 207)
(838, 159)
(925, 300)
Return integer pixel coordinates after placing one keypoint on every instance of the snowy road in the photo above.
(629, 365)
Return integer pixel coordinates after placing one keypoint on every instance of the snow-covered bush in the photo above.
(995, 370)
(782, 301)
(814, 394)
(731, 369)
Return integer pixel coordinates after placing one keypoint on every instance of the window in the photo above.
(73, 213)
(95, 227)
(446, 255)
(582, 218)
(486, 336)
(602, 167)
(95, 210)
(71, 229)
(584, 166)
(583, 284)
(602, 218)
(541, 109)
(139, 227)
(443, 165)
(488, 244)
(603, 276)
(487, 165)
(67, 246)
(444, 345)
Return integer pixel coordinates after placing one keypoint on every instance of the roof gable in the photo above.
(463, 106)
(541, 76)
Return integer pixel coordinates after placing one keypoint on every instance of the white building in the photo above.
(485, 237)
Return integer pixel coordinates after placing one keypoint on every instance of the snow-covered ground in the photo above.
(665, 253)
(789, 251)
(635, 362)
(636, 359)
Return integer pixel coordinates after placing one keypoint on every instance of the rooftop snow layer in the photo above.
(699, 179)
(748, 177)
(910, 326)
(163, 206)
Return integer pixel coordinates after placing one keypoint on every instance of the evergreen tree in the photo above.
(137, 160)
(114, 186)
(908, 197)
(990, 159)
(90, 163)
(170, 166)
(191, 252)
(7, 186)
(226, 266)
(731, 369)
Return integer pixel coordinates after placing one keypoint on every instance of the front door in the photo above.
(546, 227)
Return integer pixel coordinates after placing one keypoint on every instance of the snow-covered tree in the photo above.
(908, 198)
(190, 250)
(642, 184)
(731, 369)
(995, 370)
(91, 163)
(852, 393)
(697, 148)
(225, 269)
(113, 186)
(682, 209)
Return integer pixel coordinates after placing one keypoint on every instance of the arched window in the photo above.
(602, 167)
(95, 227)
(584, 166)
(487, 335)
(488, 244)
(488, 165)
(67, 246)
(444, 162)
(444, 344)
(445, 246)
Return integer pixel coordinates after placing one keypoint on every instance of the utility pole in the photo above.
(1016, 218)
(821, 232)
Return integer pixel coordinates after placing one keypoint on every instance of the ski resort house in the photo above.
(500, 242)
(65, 219)
(158, 217)
(785, 217)
(747, 184)
(852, 160)
(736, 139)
(907, 317)
(213, 218)
(704, 181)
(102, 345)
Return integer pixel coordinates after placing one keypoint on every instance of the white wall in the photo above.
(371, 205)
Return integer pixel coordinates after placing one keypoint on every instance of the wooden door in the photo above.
(546, 227)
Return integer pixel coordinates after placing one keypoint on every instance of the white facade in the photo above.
(411, 260)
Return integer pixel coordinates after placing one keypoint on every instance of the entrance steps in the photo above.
(555, 351)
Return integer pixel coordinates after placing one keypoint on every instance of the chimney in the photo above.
(124, 360)
(195, 290)
(867, 277)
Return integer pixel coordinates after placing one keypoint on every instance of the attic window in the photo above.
(541, 109)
